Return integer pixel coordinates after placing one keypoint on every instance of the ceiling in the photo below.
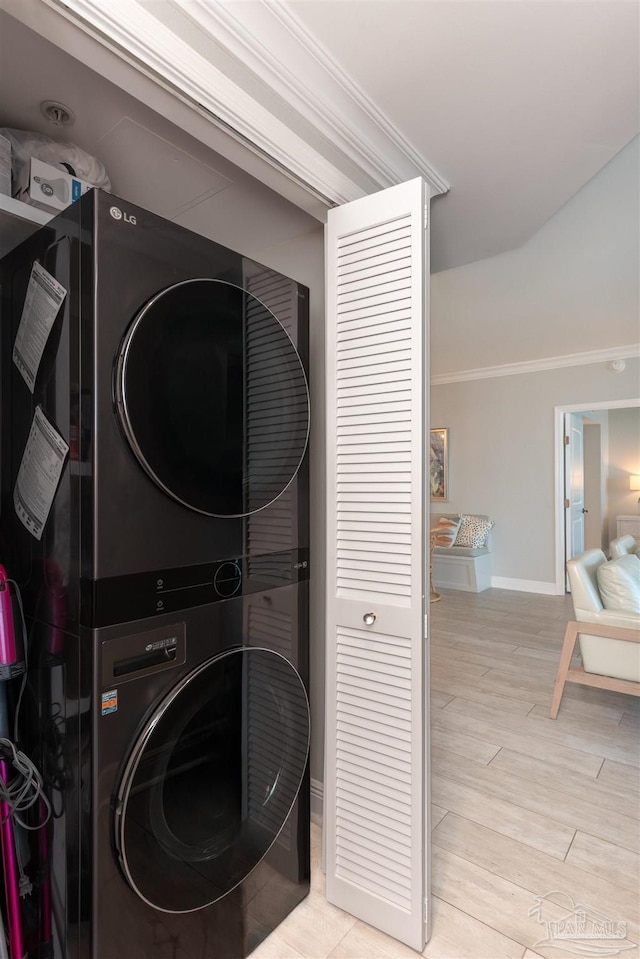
(517, 104)
(506, 107)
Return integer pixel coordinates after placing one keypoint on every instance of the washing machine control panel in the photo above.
(119, 599)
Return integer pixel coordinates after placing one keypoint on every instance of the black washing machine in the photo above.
(200, 778)
(159, 534)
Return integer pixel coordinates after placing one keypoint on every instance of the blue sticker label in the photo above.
(109, 702)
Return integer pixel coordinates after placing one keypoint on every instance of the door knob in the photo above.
(369, 619)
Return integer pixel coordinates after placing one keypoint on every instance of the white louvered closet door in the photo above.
(376, 766)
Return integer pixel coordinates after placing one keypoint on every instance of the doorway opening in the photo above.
(583, 483)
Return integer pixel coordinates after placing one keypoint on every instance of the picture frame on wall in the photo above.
(439, 464)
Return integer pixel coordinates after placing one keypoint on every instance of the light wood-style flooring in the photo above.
(523, 806)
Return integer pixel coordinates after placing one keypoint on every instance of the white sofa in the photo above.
(623, 545)
(606, 603)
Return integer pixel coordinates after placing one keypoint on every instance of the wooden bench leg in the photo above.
(570, 637)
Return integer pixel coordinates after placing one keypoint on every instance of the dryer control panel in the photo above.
(118, 599)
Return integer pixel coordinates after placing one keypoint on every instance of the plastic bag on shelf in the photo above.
(66, 157)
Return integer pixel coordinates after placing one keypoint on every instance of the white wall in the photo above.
(624, 459)
(502, 456)
(572, 288)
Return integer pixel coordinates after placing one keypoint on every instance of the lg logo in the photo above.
(117, 214)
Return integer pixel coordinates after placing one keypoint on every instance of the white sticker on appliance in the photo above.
(39, 474)
(41, 306)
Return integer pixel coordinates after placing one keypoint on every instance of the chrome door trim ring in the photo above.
(137, 751)
(120, 395)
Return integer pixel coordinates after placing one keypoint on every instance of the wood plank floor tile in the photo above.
(489, 897)
(449, 633)
(539, 688)
(460, 670)
(527, 873)
(275, 947)
(508, 819)
(522, 658)
(477, 749)
(315, 927)
(572, 811)
(601, 726)
(606, 860)
(514, 687)
(494, 649)
(572, 734)
(564, 757)
(621, 776)
(365, 942)
(457, 934)
(437, 815)
(597, 792)
(438, 700)
(543, 655)
(632, 704)
(631, 719)
(446, 681)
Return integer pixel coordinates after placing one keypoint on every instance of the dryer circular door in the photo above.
(212, 396)
(211, 779)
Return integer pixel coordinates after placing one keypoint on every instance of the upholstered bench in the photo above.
(460, 566)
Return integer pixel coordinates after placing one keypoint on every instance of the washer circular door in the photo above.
(212, 397)
(211, 779)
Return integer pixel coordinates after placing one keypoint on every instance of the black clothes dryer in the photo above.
(165, 585)
(175, 372)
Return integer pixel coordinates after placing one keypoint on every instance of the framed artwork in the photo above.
(439, 465)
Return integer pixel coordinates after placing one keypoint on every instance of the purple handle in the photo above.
(7, 637)
(14, 919)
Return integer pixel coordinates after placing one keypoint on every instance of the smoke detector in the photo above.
(57, 113)
(617, 366)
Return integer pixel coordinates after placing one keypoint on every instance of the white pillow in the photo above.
(446, 531)
(474, 530)
(619, 583)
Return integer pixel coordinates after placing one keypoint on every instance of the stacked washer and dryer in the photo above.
(155, 515)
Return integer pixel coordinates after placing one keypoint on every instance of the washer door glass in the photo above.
(212, 779)
(212, 397)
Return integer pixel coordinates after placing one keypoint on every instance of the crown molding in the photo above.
(273, 44)
(322, 134)
(538, 366)
(138, 37)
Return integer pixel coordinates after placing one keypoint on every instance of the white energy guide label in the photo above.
(39, 474)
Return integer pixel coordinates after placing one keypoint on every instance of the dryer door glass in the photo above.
(212, 397)
(212, 779)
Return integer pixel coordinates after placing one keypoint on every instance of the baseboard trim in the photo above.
(524, 585)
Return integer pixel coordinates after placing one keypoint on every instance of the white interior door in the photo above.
(594, 488)
(574, 484)
(376, 770)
